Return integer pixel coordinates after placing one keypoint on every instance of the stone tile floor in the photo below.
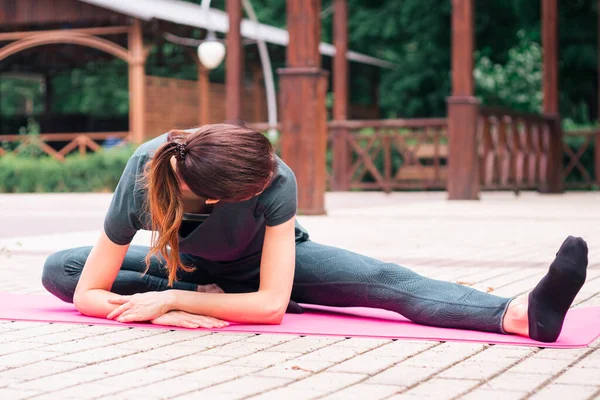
(501, 244)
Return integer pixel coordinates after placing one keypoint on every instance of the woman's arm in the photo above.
(266, 306)
(99, 273)
(93, 296)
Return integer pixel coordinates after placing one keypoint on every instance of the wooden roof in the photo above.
(28, 14)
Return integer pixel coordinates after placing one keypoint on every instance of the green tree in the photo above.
(20, 95)
(413, 34)
(97, 89)
(516, 84)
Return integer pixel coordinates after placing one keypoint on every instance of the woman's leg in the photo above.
(335, 277)
(63, 269)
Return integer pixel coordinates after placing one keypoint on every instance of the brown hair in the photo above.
(223, 162)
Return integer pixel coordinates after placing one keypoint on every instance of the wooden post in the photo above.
(258, 96)
(341, 151)
(554, 179)
(234, 62)
(340, 62)
(137, 83)
(463, 176)
(303, 116)
(203, 93)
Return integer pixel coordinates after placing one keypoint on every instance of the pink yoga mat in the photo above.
(581, 327)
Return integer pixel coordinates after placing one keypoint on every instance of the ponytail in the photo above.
(165, 207)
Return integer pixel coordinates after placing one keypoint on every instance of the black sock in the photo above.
(553, 295)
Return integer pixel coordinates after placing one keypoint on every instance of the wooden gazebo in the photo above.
(128, 30)
(496, 149)
(473, 148)
(463, 110)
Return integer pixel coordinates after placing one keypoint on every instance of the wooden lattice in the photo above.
(574, 160)
(80, 141)
(513, 150)
(391, 154)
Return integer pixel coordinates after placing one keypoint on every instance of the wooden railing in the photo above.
(389, 154)
(575, 173)
(80, 141)
(407, 153)
(513, 149)
(413, 153)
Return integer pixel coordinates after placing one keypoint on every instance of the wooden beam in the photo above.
(65, 37)
(463, 46)
(303, 51)
(258, 93)
(340, 62)
(550, 58)
(137, 83)
(109, 30)
(234, 62)
(463, 176)
(341, 150)
(303, 116)
(555, 180)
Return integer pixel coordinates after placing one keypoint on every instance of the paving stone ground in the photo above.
(502, 243)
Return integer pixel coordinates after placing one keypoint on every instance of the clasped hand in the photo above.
(155, 308)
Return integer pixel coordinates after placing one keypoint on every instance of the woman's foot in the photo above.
(515, 319)
(540, 315)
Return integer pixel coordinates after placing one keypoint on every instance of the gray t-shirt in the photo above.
(232, 231)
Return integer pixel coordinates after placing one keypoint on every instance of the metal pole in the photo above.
(266, 66)
(267, 73)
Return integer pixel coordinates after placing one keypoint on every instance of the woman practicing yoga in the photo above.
(226, 247)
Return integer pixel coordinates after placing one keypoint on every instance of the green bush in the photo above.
(97, 172)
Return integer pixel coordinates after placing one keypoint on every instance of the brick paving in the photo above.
(500, 244)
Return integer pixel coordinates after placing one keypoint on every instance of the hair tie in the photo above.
(180, 147)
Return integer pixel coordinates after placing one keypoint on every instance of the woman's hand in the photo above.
(187, 320)
(140, 307)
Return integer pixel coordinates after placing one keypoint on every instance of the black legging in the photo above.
(324, 275)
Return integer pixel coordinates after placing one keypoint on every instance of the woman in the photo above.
(226, 247)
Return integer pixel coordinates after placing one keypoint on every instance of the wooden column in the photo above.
(341, 152)
(258, 93)
(203, 93)
(463, 176)
(234, 62)
(554, 178)
(303, 86)
(340, 62)
(137, 83)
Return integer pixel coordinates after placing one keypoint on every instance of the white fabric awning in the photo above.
(184, 13)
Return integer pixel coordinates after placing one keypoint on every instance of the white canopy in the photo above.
(190, 14)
